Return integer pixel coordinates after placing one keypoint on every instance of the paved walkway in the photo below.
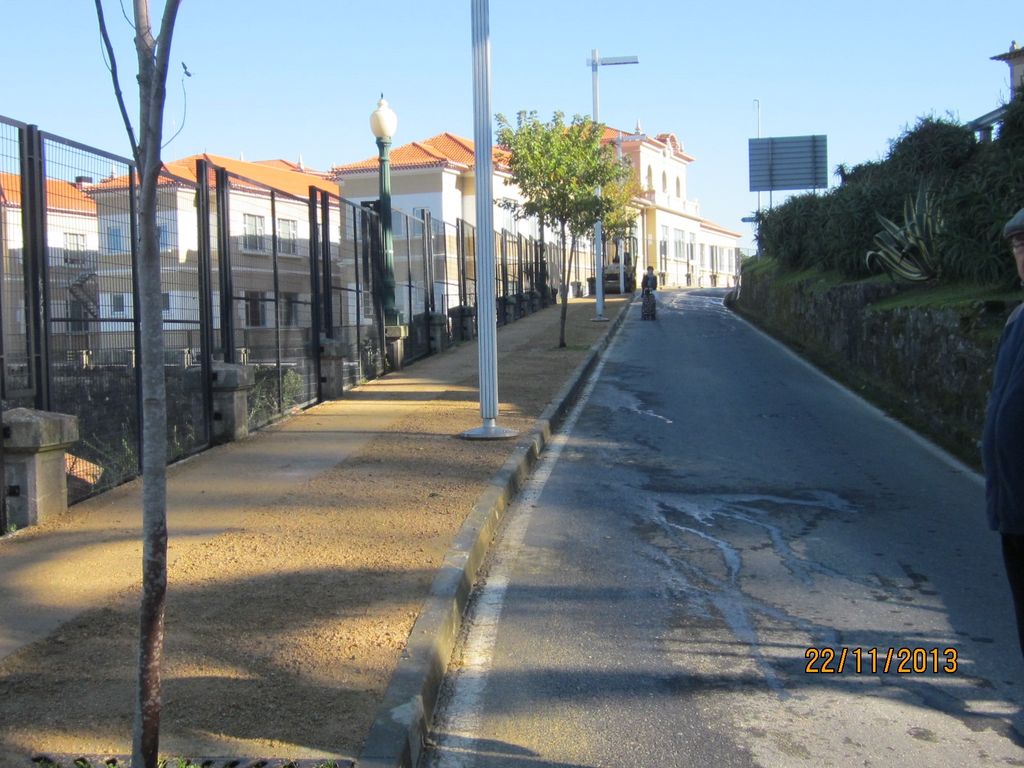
(90, 560)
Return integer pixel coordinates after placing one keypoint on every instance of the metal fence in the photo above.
(250, 274)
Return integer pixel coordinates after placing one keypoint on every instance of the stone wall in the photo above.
(930, 367)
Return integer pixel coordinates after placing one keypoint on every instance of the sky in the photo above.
(272, 79)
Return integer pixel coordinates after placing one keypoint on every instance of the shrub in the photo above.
(974, 187)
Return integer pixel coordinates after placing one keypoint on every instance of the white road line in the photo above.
(457, 733)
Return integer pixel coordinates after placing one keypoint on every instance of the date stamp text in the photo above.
(873, 661)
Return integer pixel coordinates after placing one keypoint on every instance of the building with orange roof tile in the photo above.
(71, 216)
(437, 174)
(254, 223)
(72, 243)
(684, 248)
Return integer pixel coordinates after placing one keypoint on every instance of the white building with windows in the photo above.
(72, 246)
(437, 174)
(684, 248)
(254, 223)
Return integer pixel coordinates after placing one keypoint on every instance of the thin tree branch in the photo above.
(117, 83)
(126, 17)
(184, 114)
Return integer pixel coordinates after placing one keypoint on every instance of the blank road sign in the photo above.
(789, 162)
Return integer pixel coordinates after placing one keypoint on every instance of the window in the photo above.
(419, 215)
(679, 187)
(664, 182)
(163, 238)
(253, 229)
(289, 309)
(116, 242)
(78, 316)
(74, 248)
(650, 178)
(165, 302)
(117, 303)
(255, 312)
(288, 237)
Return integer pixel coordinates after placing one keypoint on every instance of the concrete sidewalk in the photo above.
(310, 513)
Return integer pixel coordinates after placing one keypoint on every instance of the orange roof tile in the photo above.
(443, 150)
(295, 183)
(267, 173)
(60, 195)
(288, 165)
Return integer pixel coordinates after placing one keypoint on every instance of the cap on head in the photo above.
(1014, 226)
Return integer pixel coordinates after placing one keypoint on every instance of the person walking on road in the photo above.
(649, 281)
(1002, 443)
(648, 308)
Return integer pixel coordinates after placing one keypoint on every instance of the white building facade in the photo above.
(685, 249)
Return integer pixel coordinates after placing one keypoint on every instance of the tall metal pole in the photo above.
(595, 63)
(757, 104)
(618, 242)
(486, 318)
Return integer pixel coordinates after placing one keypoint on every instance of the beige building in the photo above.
(684, 248)
(437, 175)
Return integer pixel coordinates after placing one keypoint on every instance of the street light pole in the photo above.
(483, 158)
(384, 123)
(596, 62)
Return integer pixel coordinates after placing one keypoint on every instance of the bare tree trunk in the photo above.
(564, 287)
(153, 56)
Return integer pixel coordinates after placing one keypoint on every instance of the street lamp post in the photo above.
(595, 62)
(384, 123)
(483, 159)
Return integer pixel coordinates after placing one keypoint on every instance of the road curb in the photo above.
(399, 731)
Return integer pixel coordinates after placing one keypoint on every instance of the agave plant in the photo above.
(908, 252)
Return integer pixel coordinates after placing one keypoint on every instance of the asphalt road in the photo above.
(717, 520)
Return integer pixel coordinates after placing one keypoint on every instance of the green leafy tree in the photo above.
(152, 48)
(619, 221)
(558, 168)
(620, 196)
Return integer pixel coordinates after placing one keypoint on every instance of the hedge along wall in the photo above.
(976, 187)
(930, 367)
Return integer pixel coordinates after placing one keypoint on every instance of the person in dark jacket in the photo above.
(650, 280)
(1002, 443)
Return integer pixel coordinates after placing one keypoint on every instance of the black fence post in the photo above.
(356, 222)
(276, 284)
(205, 289)
(33, 209)
(460, 261)
(428, 257)
(227, 292)
(326, 289)
(316, 309)
(373, 251)
(133, 230)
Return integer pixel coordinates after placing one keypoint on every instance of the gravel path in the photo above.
(287, 610)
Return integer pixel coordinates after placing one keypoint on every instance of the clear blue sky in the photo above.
(275, 79)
